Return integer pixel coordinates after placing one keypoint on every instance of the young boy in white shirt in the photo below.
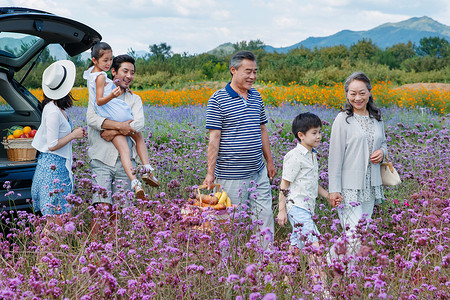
(299, 186)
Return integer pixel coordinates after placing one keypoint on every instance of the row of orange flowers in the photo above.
(384, 93)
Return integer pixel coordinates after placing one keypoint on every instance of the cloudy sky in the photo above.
(197, 26)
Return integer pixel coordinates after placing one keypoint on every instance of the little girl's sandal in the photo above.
(139, 192)
(149, 179)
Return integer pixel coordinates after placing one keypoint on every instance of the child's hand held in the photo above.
(282, 218)
(335, 199)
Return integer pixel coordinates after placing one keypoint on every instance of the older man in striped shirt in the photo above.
(238, 141)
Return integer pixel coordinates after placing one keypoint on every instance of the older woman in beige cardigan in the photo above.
(357, 147)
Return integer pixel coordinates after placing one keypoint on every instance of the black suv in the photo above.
(24, 34)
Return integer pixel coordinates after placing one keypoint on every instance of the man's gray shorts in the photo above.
(113, 179)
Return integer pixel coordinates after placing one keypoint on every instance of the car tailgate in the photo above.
(15, 184)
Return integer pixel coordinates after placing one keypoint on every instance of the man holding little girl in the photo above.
(106, 164)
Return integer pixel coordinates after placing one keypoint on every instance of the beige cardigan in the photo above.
(349, 154)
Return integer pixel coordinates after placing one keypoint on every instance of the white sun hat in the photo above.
(58, 79)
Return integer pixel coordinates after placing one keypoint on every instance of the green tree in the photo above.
(365, 49)
(250, 46)
(424, 64)
(161, 51)
(333, 56)
(132, 53)
(77, 60)
(209, 69)
(394, 56)
(45, 57)
(433, 46)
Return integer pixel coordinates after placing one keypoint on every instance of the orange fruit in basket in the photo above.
(26, 129)
(17, 133)
(10, 137)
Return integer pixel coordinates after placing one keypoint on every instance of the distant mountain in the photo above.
(223, 49)
(383, 36)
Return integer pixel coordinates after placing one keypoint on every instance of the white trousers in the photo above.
(349, 217)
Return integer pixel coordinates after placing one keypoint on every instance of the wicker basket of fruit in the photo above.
(218, 201)
(212, 206)
(18, 143)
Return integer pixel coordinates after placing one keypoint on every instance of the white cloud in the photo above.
(196, 26)
(49, 6)
(333, 3)
(285, 22)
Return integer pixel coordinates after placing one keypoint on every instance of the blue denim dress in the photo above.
(51, 184)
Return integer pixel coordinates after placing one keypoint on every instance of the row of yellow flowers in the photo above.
(384, 93)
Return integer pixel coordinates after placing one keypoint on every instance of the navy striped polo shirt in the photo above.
(240, 151)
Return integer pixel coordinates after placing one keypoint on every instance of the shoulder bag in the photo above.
(389, 175)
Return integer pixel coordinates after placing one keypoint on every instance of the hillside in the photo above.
(385, 35)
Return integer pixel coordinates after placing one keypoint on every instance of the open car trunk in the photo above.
(24, 33)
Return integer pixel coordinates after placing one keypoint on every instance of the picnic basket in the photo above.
(207, 214)
(19, 149)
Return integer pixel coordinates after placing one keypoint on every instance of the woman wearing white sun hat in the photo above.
(53, 178)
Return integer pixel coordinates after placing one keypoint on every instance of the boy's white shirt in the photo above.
(301, 169)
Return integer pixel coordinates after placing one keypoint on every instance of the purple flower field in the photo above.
(157, 252)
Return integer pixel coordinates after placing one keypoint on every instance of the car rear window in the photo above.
(16, 44)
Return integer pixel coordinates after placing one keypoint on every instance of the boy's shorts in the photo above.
(301, 234)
